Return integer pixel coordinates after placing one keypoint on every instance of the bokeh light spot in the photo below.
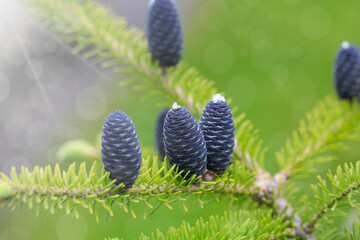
(315, 23)
(263, 58)
(258, 38)
(91, 103)
(214, 15)
(280, 75)
(296, 52)
(219, 57)
(243, 91)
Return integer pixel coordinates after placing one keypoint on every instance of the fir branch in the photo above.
(327, 127)
(157, 184)
(233, 225)
(106, 40)
(345, 184)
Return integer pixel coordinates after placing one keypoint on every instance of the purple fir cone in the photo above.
(347, 72)
(159, 132)
(217, 125)
(184, 142)
(120, 148)
(164, 33)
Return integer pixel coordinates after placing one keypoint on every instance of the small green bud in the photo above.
(77, 150)
(5, 190)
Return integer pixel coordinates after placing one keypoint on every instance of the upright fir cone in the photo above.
(217, 125)
(184, 142)
(120, 148)
(164, 33)
(159, 132)
(347, 72)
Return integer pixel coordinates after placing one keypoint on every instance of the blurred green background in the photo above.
(273, 58)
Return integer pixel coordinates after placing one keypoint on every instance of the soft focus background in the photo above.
(273, 58)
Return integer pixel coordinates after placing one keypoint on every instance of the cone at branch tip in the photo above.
(120, 148)
(217, 125)
(184, 142)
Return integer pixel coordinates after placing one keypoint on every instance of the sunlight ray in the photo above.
(39, 84)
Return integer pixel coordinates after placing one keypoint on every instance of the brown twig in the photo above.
(164, 74)
(269, 195)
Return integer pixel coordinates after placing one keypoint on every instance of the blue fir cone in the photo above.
(120, 148)
(184, 142)
(159, 132)
(217, 125)
(164, 33)
(347, 72)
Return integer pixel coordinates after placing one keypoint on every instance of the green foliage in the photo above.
(327, 127)
(122, 48)
(107, 41)
(339, 192)
(157, 185)
(233, 225)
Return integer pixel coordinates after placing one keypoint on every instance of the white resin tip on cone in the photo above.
(345, 45)
(218, 98)
(175, 106)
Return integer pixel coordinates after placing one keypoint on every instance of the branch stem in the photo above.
(310, 227)
(100, 193)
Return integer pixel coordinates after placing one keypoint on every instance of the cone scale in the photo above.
(183, 141)
(120, 148)
(347, 72)
(164, 33)
(217, 125)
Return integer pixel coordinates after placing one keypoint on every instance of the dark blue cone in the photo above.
(183, 141)
(159, 133)
(217, 125)
(120, 148)
(347, 72)
(164, 33)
